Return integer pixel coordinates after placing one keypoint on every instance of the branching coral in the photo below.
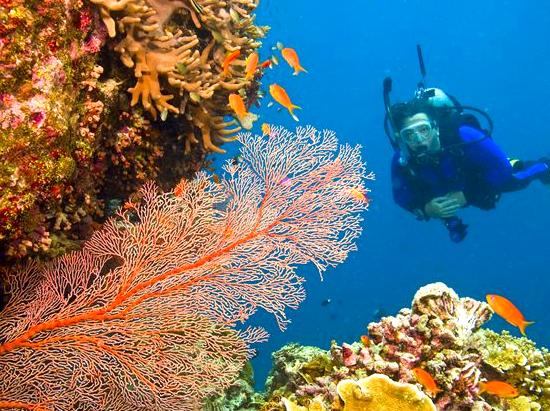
(176, 49)
(518, 360)
(143, 317)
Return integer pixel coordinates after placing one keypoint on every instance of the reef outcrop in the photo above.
(441, 333)
(74, 142)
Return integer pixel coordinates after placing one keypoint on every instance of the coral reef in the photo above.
(147, 315)
(518, 360)
(45, 56)
(440, 334)
(70, 141)
(292, 364)
(240, 396)
(179, 47)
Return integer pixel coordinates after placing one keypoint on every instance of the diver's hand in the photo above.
(458, 196)
(442, 207)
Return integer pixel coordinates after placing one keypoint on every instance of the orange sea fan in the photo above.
(143, 318)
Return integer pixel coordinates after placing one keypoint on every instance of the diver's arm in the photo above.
(405, 192)
(490, 165)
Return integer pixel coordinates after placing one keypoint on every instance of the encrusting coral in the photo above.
(70, 142)
(378, 392)
(440, 334)
(47, 52)
(178, 47)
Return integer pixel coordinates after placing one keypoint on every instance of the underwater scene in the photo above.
(274, 205)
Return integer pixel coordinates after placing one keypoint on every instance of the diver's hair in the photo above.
(401, 111)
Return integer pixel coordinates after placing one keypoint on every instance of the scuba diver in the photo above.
(445, 160)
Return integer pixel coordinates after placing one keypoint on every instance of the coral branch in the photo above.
(185, 60)
(144, 317)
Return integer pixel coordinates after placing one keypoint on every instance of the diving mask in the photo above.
(417, 133)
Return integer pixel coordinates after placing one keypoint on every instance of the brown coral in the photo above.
(180, 46)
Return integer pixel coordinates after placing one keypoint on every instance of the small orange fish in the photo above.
(250, 65)
(237, 105)
(230, 58)
(266, 129)
(365, 340)
(359, 195)
(427, 381)
(178, 190)
(499, 388)
(292, 59)
(280, 95)
(266, 64)
(508, 311)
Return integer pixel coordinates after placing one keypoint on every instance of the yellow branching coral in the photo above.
(379, 393)
(178, 47)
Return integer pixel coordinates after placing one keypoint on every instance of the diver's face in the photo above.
(420, 134)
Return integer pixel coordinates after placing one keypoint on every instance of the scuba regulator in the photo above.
(440, 100)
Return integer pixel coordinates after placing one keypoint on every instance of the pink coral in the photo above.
(348, 356)
(48, 75)
(431, 335)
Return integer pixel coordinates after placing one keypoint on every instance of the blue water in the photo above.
(493, 54)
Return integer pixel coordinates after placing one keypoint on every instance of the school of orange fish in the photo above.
(252, 66)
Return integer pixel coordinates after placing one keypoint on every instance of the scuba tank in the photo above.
(437, 98)
(451, 108)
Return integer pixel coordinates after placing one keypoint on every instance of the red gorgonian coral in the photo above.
(144, 317)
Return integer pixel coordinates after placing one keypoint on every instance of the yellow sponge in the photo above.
(379, 393)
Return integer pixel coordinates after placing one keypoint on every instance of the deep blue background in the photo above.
(493, 54)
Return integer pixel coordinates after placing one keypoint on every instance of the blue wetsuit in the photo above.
(479, 168)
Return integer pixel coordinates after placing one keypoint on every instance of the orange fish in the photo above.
(266, 64)
(280, 96)
(292, 59)
(266, 129)
(230, 58)
(427, 381)
(365, 340)
(359, 195)
(499, 388)
(508, 311)
(237, 105)
(251, 64)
